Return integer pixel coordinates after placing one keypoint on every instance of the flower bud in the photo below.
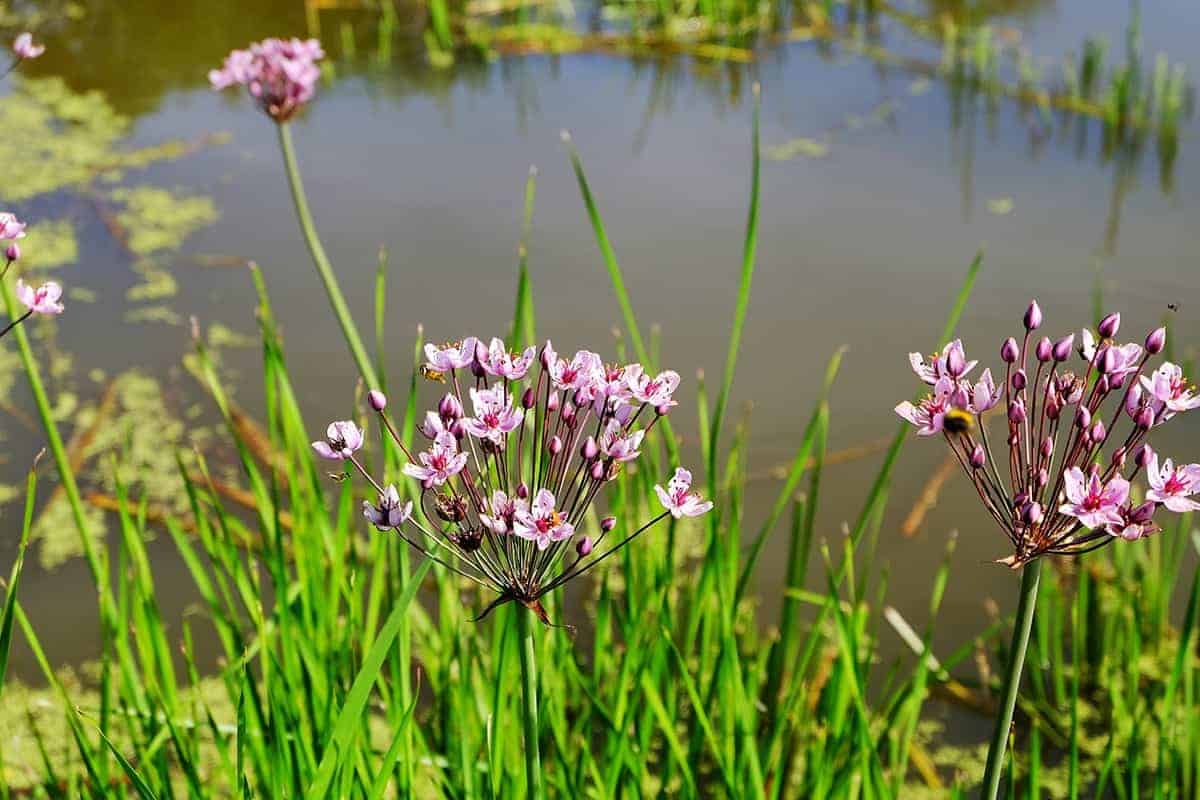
(1156, 341)
(377, 400)
(1032, 513)
(1043, 477)
(1143, 455)
(978, 457)
(1083, 417)
(555, 446)
(584, 546)
(1044, 351)
(568, 412)
(662, 410)
(523, 490)
(12, 252)
(458, 429)
(1145, 418)
(449, 408)
(545, 355)
(597, 471)
(1047, 448)
(607, 524)
(1033, 316)
(1109, 326)
(1062, 348)
(1019, 380)
(956, 361)
(528, 398)
(1118, 457)
(553, 402)
(590, 449)
(1016, 411)
(1103, 385)
(1009, 352)
(1098, 432)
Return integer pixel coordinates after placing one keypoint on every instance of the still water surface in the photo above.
(861, 246)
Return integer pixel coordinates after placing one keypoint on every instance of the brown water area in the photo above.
(882, 177)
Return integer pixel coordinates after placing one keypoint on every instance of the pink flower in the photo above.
(1136, 523)
(25, 48)
(342, 439)
(388, 513)
(951, 362)
(11, 227)
(929, 415)
(452, 356)
(433, 426)
(1094, 504)
(42, 300)
(1173, 486)
(619, 445)
(494, 417)
(541, 524)
(280, 74)
(584, 374)
(1171, 389)
(439, 463)
(656, 391)
(503, 364)
(679, 500)
(504, 510)
(985, 394)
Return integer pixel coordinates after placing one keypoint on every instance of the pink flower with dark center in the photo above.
(678, 497)
(11, 227)
(388, 512)
(451, 356)
(1095, 504)
(280, 74)
(929, 415)
(439, 463)
(951, 362)
(503, 511)
(656, 391)
(1136, 523)
(584, 373)
(1173, 486)
(503, 364)
(25, 48)
(541, 524)
(495, 417)
(619, 445)
(1168, 386)
(342, 439)
(42, 300)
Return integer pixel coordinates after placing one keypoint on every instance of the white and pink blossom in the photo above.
(1173, 486)
(678, 498)
(495, 416)
(342, 439)
(542, 524)
(1093, 503)
(439, 463)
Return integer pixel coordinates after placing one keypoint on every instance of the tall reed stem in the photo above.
(1030, 580)
(321, 261)
(533, 756)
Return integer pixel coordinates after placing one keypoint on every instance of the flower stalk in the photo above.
(1023, 624)
(529, 707)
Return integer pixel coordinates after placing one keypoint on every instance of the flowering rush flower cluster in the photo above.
(44, 299)
(514, 463)
(280, 74)
(1063, 487)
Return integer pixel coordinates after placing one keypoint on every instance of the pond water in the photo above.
(881, 180)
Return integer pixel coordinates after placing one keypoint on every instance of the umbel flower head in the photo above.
(280, 74)
(1076, 423)
(519, 449)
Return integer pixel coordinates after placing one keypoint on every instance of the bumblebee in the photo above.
(957, 420)
(431, 374)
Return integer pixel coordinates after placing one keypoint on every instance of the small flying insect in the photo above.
(957, 420)
(431, 374)
(1173, 306)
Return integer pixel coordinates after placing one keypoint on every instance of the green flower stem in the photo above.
(1030, 580)
(533, 756)
(321, 261)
